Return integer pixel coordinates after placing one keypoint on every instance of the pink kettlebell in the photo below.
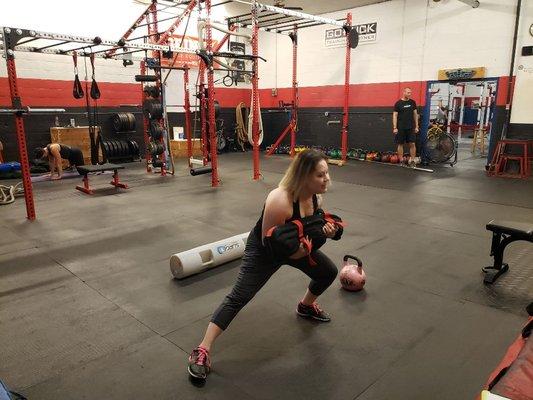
(352, 276)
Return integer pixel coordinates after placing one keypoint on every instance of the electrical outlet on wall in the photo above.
(274, 92)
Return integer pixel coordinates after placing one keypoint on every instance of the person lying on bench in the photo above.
(55, 153)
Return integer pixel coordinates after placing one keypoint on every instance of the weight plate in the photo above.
(137, 149)
(125, 148)
(130, 148)
(132, 121)
(156, 130)
(109, 147)
(153, 108)
(119, 149)
(105, 146)
(117, 123)
(115, 149)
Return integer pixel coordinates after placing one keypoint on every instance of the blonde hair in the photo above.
(301, 167)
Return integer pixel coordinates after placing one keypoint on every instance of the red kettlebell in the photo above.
(352, 276)
(394, 159)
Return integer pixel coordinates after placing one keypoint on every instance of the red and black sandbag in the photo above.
(284, 240)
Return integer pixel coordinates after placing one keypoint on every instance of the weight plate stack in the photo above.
(156, 130)
(123, 122)
(153, 108)
(156, 148)
(152, 91)
(124, 149)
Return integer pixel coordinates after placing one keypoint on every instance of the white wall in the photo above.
(104, 18)
(415, 39)
(522, 112)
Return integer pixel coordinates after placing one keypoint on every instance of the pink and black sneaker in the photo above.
(199, 363)
(313, 311)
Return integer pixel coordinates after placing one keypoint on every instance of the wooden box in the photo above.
(75, 137)
(179, 148)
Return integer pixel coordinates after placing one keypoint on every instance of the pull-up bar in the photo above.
(305, 24)
(284, 11)
(91, 42)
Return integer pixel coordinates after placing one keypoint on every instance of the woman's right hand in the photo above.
(330, 230)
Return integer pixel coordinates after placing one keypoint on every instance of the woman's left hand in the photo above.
(330, 229)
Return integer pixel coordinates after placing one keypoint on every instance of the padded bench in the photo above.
(85, 170)
(503, 233)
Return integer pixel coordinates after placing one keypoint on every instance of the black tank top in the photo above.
(64, 150)
(258, 228)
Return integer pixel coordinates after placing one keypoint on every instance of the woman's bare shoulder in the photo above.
(279, 197)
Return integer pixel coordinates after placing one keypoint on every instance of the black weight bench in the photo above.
(85, 170)
(503, 233)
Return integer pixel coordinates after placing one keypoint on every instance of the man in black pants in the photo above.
(55, 153)
(405, 125)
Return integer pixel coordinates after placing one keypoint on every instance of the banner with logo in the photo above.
(336, 37)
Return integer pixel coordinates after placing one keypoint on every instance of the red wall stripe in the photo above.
(46, 93)
(361, 95)
(57, 93)
(230, 97)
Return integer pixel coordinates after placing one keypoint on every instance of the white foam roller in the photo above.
(209, 255)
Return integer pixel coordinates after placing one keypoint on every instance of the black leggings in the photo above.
(75, 157)
(256, 269)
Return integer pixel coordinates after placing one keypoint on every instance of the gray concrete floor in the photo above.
(89, 309)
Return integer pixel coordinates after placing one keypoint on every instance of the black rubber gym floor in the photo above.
(89, 309)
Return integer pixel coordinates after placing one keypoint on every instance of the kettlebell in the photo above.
(394, 159)
(352, 276)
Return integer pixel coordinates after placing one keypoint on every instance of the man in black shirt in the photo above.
(405, 125)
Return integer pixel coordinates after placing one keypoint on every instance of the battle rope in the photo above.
(250, 124)
(8, 193)
(240, 129)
